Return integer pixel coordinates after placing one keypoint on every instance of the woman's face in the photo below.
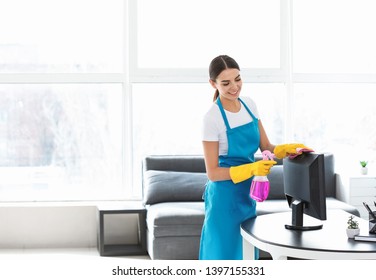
(228, 83)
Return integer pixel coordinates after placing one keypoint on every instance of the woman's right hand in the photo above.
(245, 171)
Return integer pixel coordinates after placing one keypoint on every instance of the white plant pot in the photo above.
(351, 232)
(364, 170)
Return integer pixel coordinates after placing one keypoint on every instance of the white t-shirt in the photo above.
(214, 127)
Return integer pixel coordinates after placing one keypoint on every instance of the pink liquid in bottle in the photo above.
(260, 185)
(260, 188)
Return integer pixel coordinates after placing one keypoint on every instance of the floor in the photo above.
(63, 264)
(59, 253)
(76, 263)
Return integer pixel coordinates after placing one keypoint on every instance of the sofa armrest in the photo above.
(342, 189)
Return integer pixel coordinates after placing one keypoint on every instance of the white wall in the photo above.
(39, 225)
(23, 227)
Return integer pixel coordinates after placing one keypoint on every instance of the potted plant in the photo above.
(364, 169)
(352, 227)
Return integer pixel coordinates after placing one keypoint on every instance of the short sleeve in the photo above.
(209, 129)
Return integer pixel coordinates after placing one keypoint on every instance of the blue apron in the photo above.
(227, 204)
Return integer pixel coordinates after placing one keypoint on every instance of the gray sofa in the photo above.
(172, 193)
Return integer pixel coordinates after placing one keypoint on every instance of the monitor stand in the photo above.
(297, 207)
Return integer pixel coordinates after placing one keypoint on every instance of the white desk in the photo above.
(268, 233)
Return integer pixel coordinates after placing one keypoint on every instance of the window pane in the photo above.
(167, 117)
(337, 118)
(188, 34)
(50, 36)
(60, 141)
(334, 36)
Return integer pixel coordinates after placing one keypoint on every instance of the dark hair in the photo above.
(217, 65)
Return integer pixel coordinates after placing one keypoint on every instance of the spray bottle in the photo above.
(260, 185)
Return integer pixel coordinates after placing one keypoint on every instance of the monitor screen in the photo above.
(304, 183)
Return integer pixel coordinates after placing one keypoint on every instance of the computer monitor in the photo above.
(304, 183)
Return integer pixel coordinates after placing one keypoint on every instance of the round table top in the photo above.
(332, 237)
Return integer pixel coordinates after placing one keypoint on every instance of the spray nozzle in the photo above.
(267, 155)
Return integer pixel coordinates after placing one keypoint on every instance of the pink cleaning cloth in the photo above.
(299, 151)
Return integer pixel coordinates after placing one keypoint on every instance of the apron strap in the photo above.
(249, 111)
(224, 114)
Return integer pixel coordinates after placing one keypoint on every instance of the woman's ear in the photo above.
(213, 84)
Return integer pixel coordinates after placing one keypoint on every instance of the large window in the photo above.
(61, 100)
(334, 67)
(89, 87)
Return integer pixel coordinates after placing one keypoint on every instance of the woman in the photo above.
(232, 133)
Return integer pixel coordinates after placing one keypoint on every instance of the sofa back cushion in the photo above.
(275, 178)
(173, 186)
(182, 163)
(175, 178)
(172, 178)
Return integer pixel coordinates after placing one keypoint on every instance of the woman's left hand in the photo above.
(284, 150)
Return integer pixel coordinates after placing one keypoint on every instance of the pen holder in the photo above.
(372, 223)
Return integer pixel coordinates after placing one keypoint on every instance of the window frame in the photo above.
(132, 74)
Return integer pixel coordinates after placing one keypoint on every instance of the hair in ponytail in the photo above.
(216, 94)
(217, 65)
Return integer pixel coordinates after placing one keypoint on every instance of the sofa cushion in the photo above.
(275, 178)
(172, 186)
(175, 218)
(174, 248)
(334, 203)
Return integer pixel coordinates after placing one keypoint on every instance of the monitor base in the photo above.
(313, 227)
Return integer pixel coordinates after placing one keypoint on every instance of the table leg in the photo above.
(278, 257)
(249, 250)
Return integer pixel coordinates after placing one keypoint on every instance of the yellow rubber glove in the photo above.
(281, 151)
(245, 171)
